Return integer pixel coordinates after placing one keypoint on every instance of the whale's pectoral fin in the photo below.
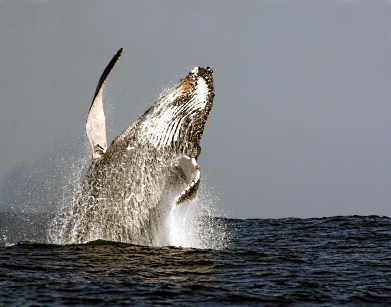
(192, 174)
(96, 122)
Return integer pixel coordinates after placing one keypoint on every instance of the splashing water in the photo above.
(76, 169)
(192, 224)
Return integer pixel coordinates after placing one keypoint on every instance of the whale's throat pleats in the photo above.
(96, 121)
(178, 116)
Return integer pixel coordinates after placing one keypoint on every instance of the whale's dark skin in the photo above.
(148, 167)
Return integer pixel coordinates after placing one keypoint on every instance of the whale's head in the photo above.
(178, 118)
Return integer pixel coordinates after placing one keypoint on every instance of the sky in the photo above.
(301, 122)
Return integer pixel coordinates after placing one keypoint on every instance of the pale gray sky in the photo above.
(301, 124)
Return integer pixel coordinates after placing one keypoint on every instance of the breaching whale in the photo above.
(148, 168)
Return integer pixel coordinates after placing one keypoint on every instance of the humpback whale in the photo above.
(148, 168)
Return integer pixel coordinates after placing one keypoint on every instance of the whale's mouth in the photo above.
(178, 118)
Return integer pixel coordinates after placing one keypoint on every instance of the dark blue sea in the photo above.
(320, 261)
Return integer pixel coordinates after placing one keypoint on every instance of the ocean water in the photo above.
(322, 261)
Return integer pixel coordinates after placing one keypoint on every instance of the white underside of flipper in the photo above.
(96, 121)
(96, 126)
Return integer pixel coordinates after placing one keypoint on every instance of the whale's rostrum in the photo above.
(148, 167)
